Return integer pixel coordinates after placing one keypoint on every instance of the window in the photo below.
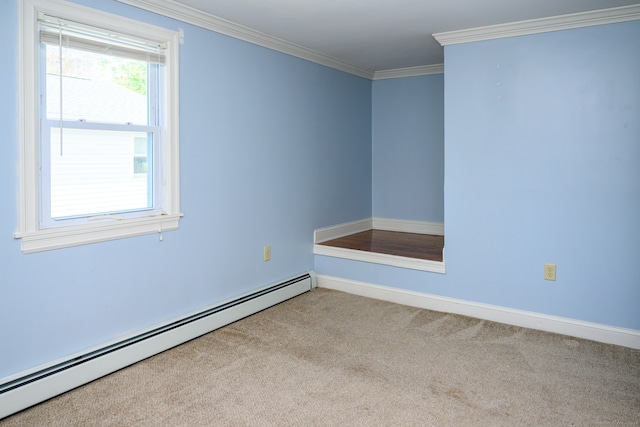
(99, 134)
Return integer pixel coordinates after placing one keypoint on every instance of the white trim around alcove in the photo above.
(340, 230)
(387, 224)
(406, 226)
(526, 319)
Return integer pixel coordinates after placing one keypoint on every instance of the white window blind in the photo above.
(56, 31)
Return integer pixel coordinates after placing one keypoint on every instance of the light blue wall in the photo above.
(272, 147)
(542, 165)
(408, 148)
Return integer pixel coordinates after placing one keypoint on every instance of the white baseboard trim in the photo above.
(388, 224)
(406, 226)
(336, 231)
(526, 319)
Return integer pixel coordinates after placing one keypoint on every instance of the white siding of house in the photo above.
(95, 173)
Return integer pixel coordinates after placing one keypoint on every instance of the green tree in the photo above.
(129, 74)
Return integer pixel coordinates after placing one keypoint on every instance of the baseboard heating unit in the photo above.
(31, 387)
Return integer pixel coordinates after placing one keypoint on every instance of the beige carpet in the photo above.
(328, 358)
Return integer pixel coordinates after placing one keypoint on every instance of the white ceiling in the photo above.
(380, 35)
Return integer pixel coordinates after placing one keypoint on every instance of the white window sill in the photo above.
(64, 237)
(377, 258)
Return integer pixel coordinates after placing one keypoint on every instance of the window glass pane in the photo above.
(93, 174)
(96, 88)
(140, 164)
(140, 155)
(140, 146)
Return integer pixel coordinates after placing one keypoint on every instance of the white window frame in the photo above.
(34, 237)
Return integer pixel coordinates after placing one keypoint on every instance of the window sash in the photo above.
(153, 113)
(154, 203)
(75, 37)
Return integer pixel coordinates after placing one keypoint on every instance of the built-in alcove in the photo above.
(407, 169)
(410, 245)
(406, 244)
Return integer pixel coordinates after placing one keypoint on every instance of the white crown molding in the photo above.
(542, 25)
(422, 70)
(211, 22)
(526, 319)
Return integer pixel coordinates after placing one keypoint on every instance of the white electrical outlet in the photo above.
(549, 272)
(267, 253)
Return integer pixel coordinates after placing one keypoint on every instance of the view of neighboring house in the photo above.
(84, 151)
